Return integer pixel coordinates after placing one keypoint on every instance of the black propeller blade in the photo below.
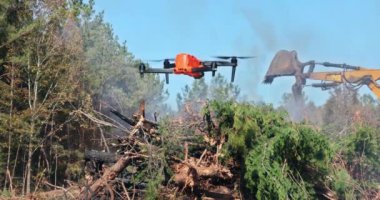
(233, 74)
(167, 78)
(142, 69)
(213, 68)
(230, 57)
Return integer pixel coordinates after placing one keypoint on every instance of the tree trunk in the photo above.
(16, 158)
(32, 98)
(29, 161)
(109, 174)
(7, 171)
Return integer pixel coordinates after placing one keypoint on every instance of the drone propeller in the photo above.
(142, 69)
(213, 68)
(230, 57)
(233, 74)
(234, 63)
(167, 78)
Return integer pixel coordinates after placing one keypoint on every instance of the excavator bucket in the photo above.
(284, 63)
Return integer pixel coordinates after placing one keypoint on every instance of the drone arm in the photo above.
(158, 71)
(225, 64)
(201, 69)
(161, 71)
(218, 63)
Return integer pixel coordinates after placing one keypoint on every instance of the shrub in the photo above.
(280, 160)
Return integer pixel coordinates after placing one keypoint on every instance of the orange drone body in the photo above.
(191, 66)
(185, 63)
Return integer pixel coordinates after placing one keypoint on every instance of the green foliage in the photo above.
(343, 184)
(223, 90)
(74, 165)
(5, 193)
(219, 89)
(170, 137)
(355, 173)
(152, 191)
(301, 157)
(111, 70)
(338, 112)
(61, 57)
(361, 150)
(280, 160)
(193, 95)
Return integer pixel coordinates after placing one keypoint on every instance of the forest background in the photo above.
(61, 64)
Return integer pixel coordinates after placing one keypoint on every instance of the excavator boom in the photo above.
(349, 76)
(360, 76)
(286, 63)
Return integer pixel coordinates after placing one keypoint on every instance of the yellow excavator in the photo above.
(286, 63)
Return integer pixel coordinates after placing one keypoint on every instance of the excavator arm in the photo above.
(286, 63)
(361, 76)
(374, 88)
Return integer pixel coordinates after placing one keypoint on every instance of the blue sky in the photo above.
(326, 30)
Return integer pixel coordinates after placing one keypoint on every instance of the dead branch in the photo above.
(109, 175)
(99, 156)
(190, 171)
(186, 151)
(200, 159)
(66, 191)
(99, 121)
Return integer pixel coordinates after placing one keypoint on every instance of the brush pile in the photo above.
(164, 160)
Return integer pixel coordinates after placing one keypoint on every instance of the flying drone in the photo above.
(191, 66)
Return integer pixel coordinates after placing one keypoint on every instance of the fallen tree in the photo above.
(109, 174)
